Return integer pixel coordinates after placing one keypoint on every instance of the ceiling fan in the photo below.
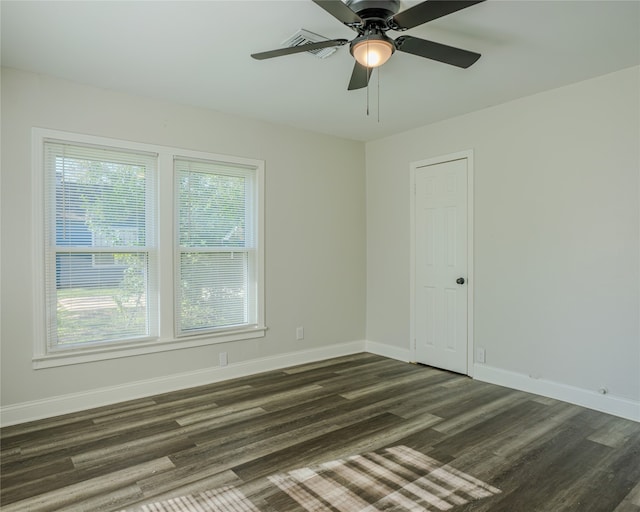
(372, 19)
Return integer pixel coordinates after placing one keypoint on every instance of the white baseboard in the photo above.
(389, 351)
(64, 404)
(610, 404)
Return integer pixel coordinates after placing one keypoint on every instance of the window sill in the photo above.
(87, 355)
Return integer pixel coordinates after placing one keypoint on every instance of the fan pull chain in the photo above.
(378, 75)
(367, 95)
(367, 71)
(377, 70)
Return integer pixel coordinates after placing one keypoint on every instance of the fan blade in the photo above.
(299, 49)
(359, 77)
(340, 11)
(436, 51)
(427, 11)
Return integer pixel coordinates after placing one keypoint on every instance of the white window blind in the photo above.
(216, 263)
(99, 245)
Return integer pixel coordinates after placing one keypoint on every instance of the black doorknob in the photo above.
(460, 280)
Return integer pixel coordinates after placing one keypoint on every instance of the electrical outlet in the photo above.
(480, 355)
(299, 333)
(224, 360)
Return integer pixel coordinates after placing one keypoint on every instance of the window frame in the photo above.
(112, 263)
(164, 225)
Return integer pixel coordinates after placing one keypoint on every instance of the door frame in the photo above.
(414, 166)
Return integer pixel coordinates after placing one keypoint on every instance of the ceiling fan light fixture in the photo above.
(372, 51)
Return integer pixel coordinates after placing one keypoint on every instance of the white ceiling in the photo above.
(197, 53)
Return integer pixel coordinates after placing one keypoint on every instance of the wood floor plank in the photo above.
(350, 363)
(45, 470)
(65, 420)
(545, 470)
(162, 486)
(68, 494)
(615, 432)
(542, 454)
(317, 449)
(631, 500)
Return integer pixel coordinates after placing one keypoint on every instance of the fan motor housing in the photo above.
(374, 8)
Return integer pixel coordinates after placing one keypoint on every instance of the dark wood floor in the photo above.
(542, 454)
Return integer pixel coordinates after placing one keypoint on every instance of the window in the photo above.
(99, 283)
(124, 273)
(216, 265)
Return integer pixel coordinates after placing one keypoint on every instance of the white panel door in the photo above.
(440, 310)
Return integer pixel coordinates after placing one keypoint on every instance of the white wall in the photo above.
(315, 234)
(556, 236)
